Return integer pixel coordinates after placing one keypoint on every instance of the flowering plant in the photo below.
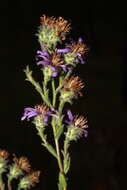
(58, 87)
(18, 169)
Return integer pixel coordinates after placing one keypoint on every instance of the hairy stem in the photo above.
(2, 186)
(9, 184)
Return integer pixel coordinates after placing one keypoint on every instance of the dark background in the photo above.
(100, 161)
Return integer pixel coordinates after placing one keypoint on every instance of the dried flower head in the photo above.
(34, 177)
(49, 21)
(74, 84)
(4, 154)
(80, 121)
(60, 25)
(51, 62)
(79, 47)
(77, 126)
(56, 60)
(22, 163)
(3, 160)
(29, 180)
(41, 109)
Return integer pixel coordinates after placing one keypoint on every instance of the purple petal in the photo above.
(43, 54)
(23, 117)
(80, 40)
(29, 109)
(66, 50)
(32, 114)
(85, 132)
(46, 119)
(54, 74)
(53, 68)
(54, 115)
(43, 63)
(64, 67)
(70, 116)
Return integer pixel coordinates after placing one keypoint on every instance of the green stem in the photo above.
(54, 94)
(61, 106)
(2, 186)
(9, 184)
(57, 147)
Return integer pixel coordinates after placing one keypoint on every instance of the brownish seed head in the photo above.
(62, 25)
(80, 121)
(22, 163)
(42, 109)
(50, 21)
(56, 60)
(34, 177)
(4, 154)
(59, 24)
(74, 83)
(79, 47)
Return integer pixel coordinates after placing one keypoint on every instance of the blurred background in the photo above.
(100, 161)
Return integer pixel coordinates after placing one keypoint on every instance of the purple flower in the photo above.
(66, 50)
(41, 110)
(78, 121)
(53, 61)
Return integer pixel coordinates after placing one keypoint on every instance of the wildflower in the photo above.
(76, 126)
(52, 63)
(52, 30)
(18, 167)
(60, 25)
(29, 180)
(22, 163)
(72, 87)
(40, 113)
(74, 52)
(3, 160)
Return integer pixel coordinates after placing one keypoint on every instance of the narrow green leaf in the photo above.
(67, 161)
(50, 149)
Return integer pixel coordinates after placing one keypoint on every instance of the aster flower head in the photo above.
(29, 180)
(52, 30)
(72, 88)
(40, 113)
(74, 52)
(19, 166)
(52, 63)
(22, 163)
(76, 126)
(3, 160)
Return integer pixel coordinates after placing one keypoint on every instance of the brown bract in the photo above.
(80, 121)
(49, 21)
(79, 47)
(62, 25)
(56, 60)
(4, 154)
(34, 177)
(42, 109)
(59, 24)
(22, 163)
(74, 83)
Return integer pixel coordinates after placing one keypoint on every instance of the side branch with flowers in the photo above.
(56, 64)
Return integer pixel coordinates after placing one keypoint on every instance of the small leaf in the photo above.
(59, 131)
(67, 161)
(50, 149)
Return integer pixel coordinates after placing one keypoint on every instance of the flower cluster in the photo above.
(59, 86)
(18, 169)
